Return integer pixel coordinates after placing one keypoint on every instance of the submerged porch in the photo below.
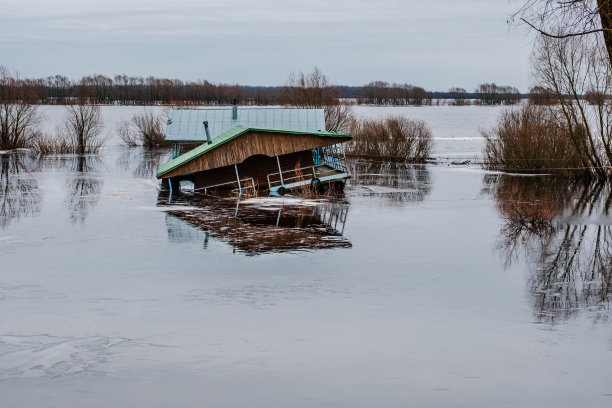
(279, 174)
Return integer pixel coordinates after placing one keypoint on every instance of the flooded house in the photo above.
(236, 148)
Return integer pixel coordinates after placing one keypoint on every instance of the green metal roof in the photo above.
(226, 137)
(185, 124)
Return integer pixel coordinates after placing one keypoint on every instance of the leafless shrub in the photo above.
(127, 134)
(150, 128)
(144, 129)
(394, 138)
(47, 143)
(83, 126)
(530, 139)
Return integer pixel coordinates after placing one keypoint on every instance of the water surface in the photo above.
(432, 286)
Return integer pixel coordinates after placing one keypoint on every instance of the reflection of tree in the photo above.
(20, 195)
(83, 187)
(396, 182)
(142, 162)
(559, 225)
(253, 228)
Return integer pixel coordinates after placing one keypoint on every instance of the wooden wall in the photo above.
(250, 144)
(257, 167)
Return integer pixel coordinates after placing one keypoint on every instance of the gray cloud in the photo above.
(434, 43)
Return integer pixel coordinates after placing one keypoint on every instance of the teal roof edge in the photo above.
(226, 137)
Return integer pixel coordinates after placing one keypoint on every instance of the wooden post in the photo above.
(280, 171)
(238, 178)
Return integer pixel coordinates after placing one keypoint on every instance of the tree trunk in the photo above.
(605, 15)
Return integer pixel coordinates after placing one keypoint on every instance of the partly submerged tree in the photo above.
(312, 90)
(83, 127)
(571, 60)
(19, 117)
(572, 67)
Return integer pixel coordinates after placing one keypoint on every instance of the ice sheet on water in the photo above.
(274, 203)
(168, 208)
(388, 190)
(459, 138)
(42, 355)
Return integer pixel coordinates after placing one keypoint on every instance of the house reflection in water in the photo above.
(258, 226)
(562, 228)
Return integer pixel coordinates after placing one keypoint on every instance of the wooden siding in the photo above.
(257, 167)
(250, 144)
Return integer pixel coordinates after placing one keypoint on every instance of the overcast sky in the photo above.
(436, 44)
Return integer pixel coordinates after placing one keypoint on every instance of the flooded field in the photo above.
(429, 286)
(455, 129)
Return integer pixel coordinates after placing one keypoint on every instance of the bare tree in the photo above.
(312, 90)
(572, 67)
(19, 117)
(83, 126)
(570, 18)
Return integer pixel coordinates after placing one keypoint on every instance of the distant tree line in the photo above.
(492, 94)
(138, 90)
(383, 93)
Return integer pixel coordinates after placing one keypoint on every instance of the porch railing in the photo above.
(300, 174)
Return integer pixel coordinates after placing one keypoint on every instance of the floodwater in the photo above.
(456, 130)
(427, 286)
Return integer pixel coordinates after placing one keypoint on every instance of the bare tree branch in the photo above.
(560, 36)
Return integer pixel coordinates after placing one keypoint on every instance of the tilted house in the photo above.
(260, 148)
